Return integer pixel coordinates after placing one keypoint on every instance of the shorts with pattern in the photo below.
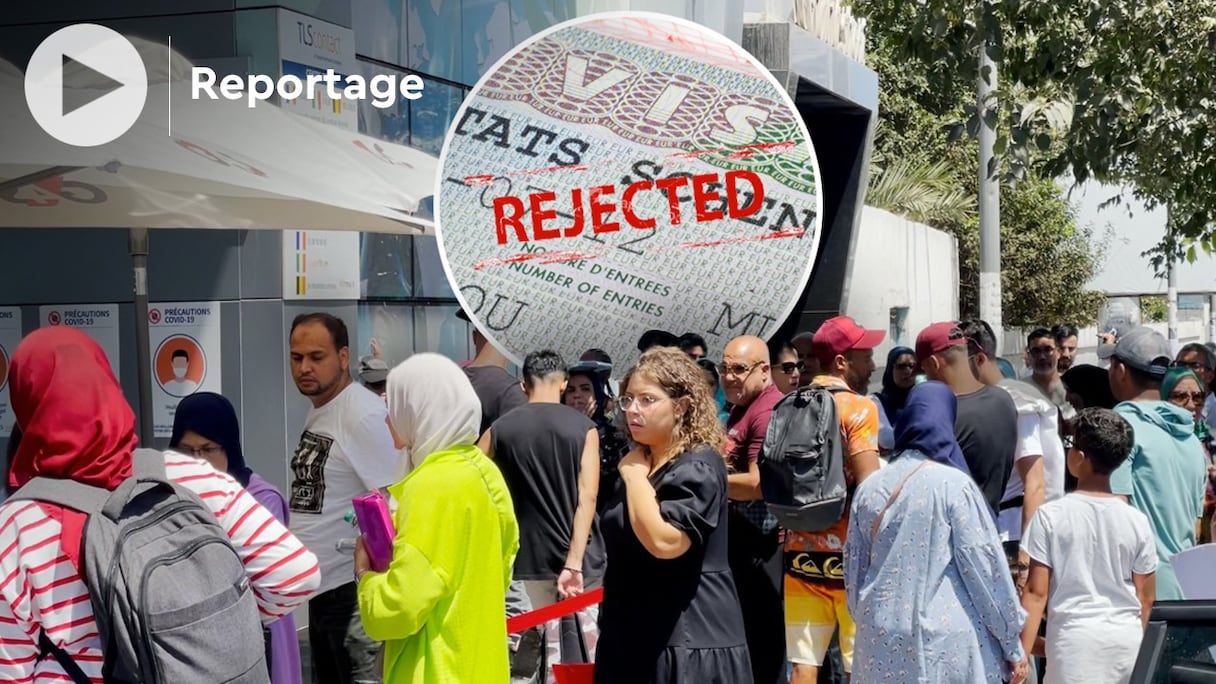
(812, 614)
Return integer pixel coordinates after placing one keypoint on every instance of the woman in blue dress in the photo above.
(926, 578)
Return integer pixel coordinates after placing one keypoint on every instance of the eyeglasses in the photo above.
(1193, 365)
(209, 450)
(1183, 397)
(1042, 351)
(737, 369)
(790, 366)
(644, 402)
(905, 366)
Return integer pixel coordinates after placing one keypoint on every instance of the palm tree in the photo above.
(921, 191)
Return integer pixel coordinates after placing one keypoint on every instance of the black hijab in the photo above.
(212, 416)
(892, 396)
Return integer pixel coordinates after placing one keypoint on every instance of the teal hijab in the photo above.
(1171, 380)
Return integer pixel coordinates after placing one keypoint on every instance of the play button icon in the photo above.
(104, 98)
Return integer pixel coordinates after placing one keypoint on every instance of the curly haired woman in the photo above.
(670, 610)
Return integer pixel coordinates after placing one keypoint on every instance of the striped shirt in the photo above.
(41, 590)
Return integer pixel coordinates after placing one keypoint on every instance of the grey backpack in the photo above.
(802, 461)
(170, 595)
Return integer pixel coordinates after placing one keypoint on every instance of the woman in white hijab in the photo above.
(439, 606)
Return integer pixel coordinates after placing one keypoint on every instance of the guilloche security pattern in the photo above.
(619, 174)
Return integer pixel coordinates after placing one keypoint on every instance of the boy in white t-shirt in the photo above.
(1092, 564)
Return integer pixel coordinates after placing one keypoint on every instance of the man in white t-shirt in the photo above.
(345, 451)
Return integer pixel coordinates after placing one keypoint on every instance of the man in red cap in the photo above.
(986, 424)
(815, 602)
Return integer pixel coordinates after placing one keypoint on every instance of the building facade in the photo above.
(404, 300)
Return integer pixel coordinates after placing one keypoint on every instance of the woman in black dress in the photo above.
(670, 612)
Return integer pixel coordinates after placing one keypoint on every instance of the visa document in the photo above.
(621, 174)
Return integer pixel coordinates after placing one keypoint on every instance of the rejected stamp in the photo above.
(622, 172)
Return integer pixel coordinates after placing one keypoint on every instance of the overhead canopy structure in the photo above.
(189, 163)
(207, 164)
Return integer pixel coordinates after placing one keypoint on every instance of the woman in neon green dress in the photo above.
(439, 606)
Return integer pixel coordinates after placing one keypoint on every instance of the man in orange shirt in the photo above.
(814, 585)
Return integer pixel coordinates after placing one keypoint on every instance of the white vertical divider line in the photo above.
(169, 91)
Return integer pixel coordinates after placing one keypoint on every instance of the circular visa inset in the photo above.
(624, 172)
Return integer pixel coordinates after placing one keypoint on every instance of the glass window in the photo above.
(333, 11)
(385, 266)
(487, 30)
(529, 17)
(430, 280)
(437, 329)
(431, 114)
(257, 36)
(433, 43)
(377, 25)
(390, 123)
(391, 324)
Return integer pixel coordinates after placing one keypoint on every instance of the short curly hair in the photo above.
(1105, 438)
(680, 376)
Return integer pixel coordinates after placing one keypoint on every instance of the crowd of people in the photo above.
(1001, 526)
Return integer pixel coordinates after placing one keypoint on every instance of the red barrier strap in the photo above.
(538, 617)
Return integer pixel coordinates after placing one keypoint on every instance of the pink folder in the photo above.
(376, 526)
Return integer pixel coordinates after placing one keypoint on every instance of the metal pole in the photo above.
(989, 189)
(1171, 285)
(1211, 318)
(138, 241)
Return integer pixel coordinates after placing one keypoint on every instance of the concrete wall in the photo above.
(1013, 345)
(897, 263)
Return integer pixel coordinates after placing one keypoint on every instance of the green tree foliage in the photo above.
(920, 173)
(1154, 309)
(1116, 90)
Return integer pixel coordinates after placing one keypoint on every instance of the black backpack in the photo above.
(801, 463)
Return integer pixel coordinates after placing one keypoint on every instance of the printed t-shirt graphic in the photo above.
(308, 469)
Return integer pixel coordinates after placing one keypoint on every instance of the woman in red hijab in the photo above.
(75, 423)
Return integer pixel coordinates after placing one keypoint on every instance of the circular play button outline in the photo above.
(80, 117)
